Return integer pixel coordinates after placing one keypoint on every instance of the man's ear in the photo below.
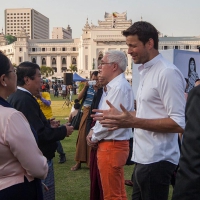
(2, 79)
(150, 44)
(26, 80)
(115, 67)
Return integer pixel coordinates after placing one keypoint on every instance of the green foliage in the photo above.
(73, 68)
(11, 39)
(81, 86)
(47, 71)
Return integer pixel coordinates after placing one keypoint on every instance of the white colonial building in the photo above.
(84, 52)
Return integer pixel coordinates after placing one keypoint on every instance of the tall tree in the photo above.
(11, 39)
(72, 68)
(47, 71)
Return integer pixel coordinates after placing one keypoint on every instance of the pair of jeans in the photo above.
(60, 149)
(151, 181)
(111, 157)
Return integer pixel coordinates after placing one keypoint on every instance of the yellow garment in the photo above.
(47, 111)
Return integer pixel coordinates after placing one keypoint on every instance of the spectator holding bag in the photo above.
(82, 150)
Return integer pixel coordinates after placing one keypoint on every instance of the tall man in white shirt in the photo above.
(113, 146)
(159, 116)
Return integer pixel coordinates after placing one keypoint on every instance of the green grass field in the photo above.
(74, 185)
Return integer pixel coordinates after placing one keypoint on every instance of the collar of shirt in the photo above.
(23, 89)
(113, 81)
(147, 65)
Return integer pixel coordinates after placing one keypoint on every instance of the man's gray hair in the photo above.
(118, 57)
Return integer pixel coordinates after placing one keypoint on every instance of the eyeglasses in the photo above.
(105, 63)
(14, 70)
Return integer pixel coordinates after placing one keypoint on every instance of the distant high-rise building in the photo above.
(62, 33)
(35, 24)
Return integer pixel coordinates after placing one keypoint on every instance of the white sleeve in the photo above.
(171, 90)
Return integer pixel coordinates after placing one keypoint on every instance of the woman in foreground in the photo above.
(22, 164)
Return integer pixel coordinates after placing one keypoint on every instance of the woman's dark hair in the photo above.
(26, 69)
(4, 64)
(77, 106)
(191, 59)
(144, 31)
(95, 73)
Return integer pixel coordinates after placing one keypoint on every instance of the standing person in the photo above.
(64, 92)
(70, 92)
(96, 192)
(21, 166)
(29, 83)
(113, 146)
(187, 185)
(82, 150)
(158, 118)
(44, 100)
(55, 88)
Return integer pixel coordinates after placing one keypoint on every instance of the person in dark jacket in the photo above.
(187, 185)
(48, 132)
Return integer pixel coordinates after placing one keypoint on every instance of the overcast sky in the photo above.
(171, 17)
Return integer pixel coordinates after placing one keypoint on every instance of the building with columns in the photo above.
(85, 52)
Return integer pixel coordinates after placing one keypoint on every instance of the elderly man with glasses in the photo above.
(113, 146)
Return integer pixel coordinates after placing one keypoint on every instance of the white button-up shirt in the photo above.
(118, 92)
(160, 95)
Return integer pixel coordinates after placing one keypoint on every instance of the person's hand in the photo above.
(101, 113)
(89, 142)
(70, 129)
(86, 84)
(114, 119)
(54, 123)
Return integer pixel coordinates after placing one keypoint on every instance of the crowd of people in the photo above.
(110, 119)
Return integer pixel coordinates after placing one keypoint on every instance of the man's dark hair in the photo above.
(197, 80)
(77, 106)
(26, 69)
(95, 73)
(4, 64)
(144, 31)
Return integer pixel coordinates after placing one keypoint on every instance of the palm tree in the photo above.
(46, 71)
(73, 68)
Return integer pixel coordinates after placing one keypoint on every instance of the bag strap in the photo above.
(84, 97)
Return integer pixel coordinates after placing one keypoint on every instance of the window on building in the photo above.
(86, 62)
(53, 49)
(63, 49)
(64, 61)
(176, 47)
(20, 49)
(187, 47)
(34, 60)
(74, 49)
(43, 61)
(74, 61)
(33, 49)
(43, 49)
(20, 59)
(53, 61)
(165, 48)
